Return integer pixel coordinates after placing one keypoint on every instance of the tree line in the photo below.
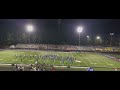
(13, 38)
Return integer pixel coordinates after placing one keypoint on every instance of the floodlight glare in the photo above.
(29, 28)
(87, 36)
(98, 37)
(111, 34)
(79, 29)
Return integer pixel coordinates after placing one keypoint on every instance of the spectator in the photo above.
(90, 69)
(16, 66)
(31, 67)
(115, 69)
(52, 69)
(22, 68)
(34, 69)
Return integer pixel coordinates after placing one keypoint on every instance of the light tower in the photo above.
(111, 34)
(29, 29)
(98, 38)
(59, 24)
(79, 30)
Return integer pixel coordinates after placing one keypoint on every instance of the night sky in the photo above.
(90, 25)
(48, 28)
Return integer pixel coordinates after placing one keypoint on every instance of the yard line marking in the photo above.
(110, 64)
(105, 61)
(77, 61)
(79, 67)
(110, 61)
(5, 64)
(99, 60)
(72, 67)
(93, 63)
(83, 60)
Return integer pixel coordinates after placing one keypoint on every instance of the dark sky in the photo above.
(49, 27)
(90, 25)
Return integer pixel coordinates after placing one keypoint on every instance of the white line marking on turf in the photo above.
(79, 67)
(60, 66)
(72, 67)
(110, 64)
(83, 60)
(77, 61)
(93, 63)
(5, 64)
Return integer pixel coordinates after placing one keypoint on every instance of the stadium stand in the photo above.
(53, 47)
(66, 47)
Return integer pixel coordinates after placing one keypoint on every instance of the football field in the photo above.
(82, 61)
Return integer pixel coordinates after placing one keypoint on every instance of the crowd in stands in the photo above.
(65, 47)
(52, 47)
(32, 67)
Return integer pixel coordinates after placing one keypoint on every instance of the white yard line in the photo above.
(98, 60)
(111, 60)
(94, 60)
(5, 64)
(84, 61)
(79, 67)
(7, 56)
(72, 67)
(106, 62)
(93, 63)
(77, 61)
(60, 66)
(88, 60)
(110, 64)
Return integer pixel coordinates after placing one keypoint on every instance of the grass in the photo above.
(97, 61)
(115, 55)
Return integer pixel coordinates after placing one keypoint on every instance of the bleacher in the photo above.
(53, 47)
(30, 46)
(65, 47)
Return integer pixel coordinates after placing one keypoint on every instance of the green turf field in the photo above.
(97, 61)
(115, 55)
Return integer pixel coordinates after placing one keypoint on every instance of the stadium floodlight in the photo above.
(98, 37)
(79, 30)
(88, 37)
(29, 28)
(111, 34)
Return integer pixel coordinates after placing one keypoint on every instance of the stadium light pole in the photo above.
(119, 41)
(88, 38)
(29, 30)
(79, 30)
(111, 34)
(98, 38)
